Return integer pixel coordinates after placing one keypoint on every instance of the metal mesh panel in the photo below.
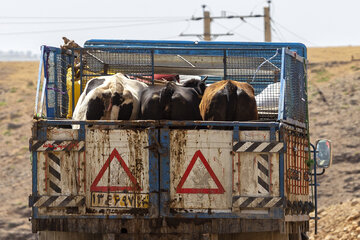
(295, 89)
(55, 72)
(260, 68)
(297, 170)
(91, 63)
(102, 62)
(111, 61)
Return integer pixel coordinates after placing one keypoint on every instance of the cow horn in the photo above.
(205, 79)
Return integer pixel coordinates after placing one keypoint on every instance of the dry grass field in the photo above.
(334, 86)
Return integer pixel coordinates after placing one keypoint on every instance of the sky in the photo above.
(26, 25)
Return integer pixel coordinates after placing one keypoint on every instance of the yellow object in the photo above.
(69, 91)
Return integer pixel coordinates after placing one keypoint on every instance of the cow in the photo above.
(172, 101)
(228, 100)
(114, 97)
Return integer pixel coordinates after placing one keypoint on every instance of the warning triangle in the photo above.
(114, 154)
(180, 189)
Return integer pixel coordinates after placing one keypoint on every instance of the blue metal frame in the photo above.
(164, 171)
(297, 47)
(162, 123)
(315, 184)
(281, 108)
(154, 177)
(34, 182)
(51, 112)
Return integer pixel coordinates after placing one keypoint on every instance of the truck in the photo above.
(146, 179)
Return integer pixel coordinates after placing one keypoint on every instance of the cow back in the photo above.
(228, 100)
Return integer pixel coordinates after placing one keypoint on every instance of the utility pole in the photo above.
(207, 22)
(267, 23)
(207, 36)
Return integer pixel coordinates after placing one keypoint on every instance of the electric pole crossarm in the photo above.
(228, 17)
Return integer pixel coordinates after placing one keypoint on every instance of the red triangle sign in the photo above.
(219, 190)
(94, 186)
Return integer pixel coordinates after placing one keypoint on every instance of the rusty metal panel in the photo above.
(62, 134)
(61, 173)
(200, 169)
(117, 170)
(255, 174)
(297, 177)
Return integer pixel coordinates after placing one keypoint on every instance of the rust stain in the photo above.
(177, 153)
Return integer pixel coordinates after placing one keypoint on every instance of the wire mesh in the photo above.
(260, 68)
(57, 98)
(68, 72)
(110, 61)
(295, 89)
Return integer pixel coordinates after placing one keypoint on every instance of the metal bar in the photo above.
(236, 135)
(56, 109)
(34, 173)
(34, 181)
(225, 64)
(81, 73)
(315, 187)
(295, 55)
(154, 175)
(152, 67)
(164, 172)
(178, 48)
(72, 82)
(162, 123)
(281, 107)
(272, 134)
(64, 98)
(39, 79)
(281, 161)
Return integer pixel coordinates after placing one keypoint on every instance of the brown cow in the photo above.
(229, 100)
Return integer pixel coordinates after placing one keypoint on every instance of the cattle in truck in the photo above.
(229, 100)
(114, 97)
(172, 101)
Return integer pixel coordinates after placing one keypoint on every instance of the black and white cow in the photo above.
(113, 97)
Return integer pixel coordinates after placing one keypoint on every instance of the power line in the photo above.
(255, 27)
(247, 38)
(88, 28)
(278, 33)
(82, 18)
(89, 21)
(291, 32)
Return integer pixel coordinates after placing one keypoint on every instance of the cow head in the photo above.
(198, 85)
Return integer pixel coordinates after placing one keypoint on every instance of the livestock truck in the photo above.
(145, 179)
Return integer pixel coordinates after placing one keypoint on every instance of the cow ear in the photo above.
(204, 79)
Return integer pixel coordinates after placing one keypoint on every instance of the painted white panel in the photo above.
(116, 162)
(200, 169)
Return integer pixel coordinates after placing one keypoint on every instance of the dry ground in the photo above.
(334, 85)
